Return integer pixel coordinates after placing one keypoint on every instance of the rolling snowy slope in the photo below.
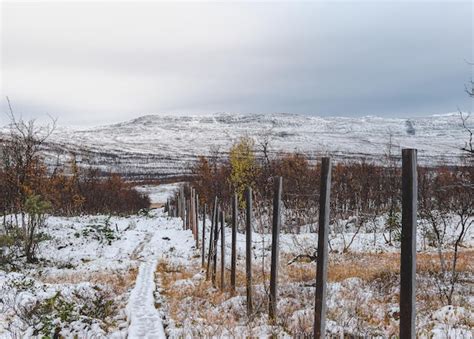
(164, 145)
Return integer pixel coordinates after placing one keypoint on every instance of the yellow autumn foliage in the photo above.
(243, 166)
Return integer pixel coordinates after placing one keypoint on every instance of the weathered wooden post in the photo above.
(408, 244)
(214, 247)
(196, 210)
(174, 206)
(211, 238)
(191, 213)
(322, 259)
(183, 207)
(233, 258)
(178, 209)
(181, 202)
(248, 250)
(203, 246)
(188, 213)
(275, 246)
(193, 209)
(222, 251)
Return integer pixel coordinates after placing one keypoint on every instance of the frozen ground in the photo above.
(362, 291)
(141, 277)
(82, 257)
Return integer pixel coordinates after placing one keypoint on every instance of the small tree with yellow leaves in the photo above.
(243, 166)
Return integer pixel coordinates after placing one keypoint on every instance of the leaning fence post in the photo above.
(408, 244)
(222, 251)
(275, 246)
(233, 259)
(322, 259)
(203, 246)
(248, 250)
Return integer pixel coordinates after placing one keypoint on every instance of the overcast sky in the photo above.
(93, 63)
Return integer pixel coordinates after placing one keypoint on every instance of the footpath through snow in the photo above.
(145, 319)
(167, 238)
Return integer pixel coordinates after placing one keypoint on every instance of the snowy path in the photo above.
(168, 237)
(145, 320)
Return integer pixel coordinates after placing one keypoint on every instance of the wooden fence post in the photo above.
(181, 202)
(188, 213)
(191, 213)
(211, 238)
(177, 212)
(275, 246)
(178, 209)
(193, 209)
(222, 251)
(196, 213)
(408, 244)
(214, 247)
(175, 207)
(233, 259)
(248, 250)
(177, 204)
(185, 212)
(203, 246)
(183, 207)
(322, 259)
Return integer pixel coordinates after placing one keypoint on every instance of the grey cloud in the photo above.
(91, 63)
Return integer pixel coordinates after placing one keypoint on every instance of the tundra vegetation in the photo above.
(363, 242)
(31, 194)
(29, 190)
(365, 202)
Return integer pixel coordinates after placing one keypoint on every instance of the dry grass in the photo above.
(118, 281)
(203, 289)
(369, 267)
(196, 302)
(218, 314)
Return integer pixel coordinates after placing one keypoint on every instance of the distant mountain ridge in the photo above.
(165, 145)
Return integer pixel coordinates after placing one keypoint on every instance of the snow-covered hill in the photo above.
(165, 144)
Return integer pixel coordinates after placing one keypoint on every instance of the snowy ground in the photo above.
(84, 257)
(141, 277)
(362, 292)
